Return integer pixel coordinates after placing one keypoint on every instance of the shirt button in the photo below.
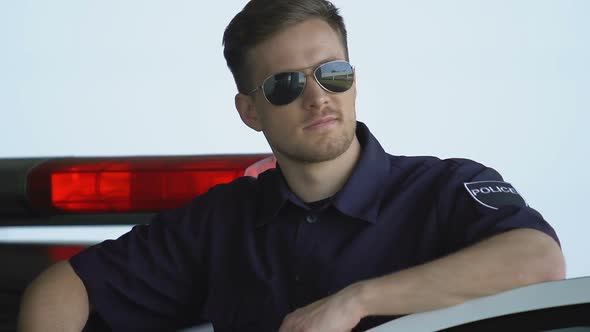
(311, 218)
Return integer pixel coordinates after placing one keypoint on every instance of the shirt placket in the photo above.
(304, 244)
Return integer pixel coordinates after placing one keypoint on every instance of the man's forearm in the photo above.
(509, 260)
(55, 301)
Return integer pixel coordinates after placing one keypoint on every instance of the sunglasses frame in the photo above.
(261, 86)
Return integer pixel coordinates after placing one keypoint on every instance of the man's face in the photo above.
(318, 125)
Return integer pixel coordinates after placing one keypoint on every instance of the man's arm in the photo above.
(55, 301)
(509, 260)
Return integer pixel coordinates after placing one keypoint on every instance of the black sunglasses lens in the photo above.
(336, 76)
(283, 88)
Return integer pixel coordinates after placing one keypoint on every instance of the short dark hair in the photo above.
(260, 19)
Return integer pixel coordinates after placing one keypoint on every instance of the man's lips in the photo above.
(327, 120)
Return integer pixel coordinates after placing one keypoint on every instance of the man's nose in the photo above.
(314, 96)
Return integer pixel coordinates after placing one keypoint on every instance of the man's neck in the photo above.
(316, 181)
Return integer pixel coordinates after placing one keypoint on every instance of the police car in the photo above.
(52, 208)
(557, 306)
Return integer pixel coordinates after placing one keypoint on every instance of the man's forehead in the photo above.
(303, 45)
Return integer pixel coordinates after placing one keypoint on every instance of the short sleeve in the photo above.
(151, 278)
(476, 203)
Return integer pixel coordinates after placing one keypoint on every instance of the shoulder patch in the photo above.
(494, 194)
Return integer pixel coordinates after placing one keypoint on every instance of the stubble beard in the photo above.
(326, 149)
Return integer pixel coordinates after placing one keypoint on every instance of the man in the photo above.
(340, 236)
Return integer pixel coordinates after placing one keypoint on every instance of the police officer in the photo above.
(340, 236)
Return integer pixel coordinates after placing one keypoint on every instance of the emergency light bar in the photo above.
(136, 184)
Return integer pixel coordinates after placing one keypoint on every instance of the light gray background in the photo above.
(503, 82)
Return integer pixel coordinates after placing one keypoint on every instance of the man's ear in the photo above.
(247, 110)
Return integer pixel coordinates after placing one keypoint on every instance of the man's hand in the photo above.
(340, 312)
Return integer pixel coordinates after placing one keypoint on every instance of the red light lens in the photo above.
(99, 185)
(61, 253)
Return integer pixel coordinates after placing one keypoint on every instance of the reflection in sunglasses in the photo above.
(283, 88)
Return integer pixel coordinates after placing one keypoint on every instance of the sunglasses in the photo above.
(283, 88)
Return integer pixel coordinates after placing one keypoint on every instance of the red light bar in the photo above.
(139, 184)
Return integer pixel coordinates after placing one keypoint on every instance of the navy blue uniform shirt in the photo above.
(247, 253)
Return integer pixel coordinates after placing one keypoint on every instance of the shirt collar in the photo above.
(275, 193)
(360, 196)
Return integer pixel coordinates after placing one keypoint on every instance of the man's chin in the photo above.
(320, 152)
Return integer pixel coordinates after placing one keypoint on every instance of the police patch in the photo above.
(494, 194)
